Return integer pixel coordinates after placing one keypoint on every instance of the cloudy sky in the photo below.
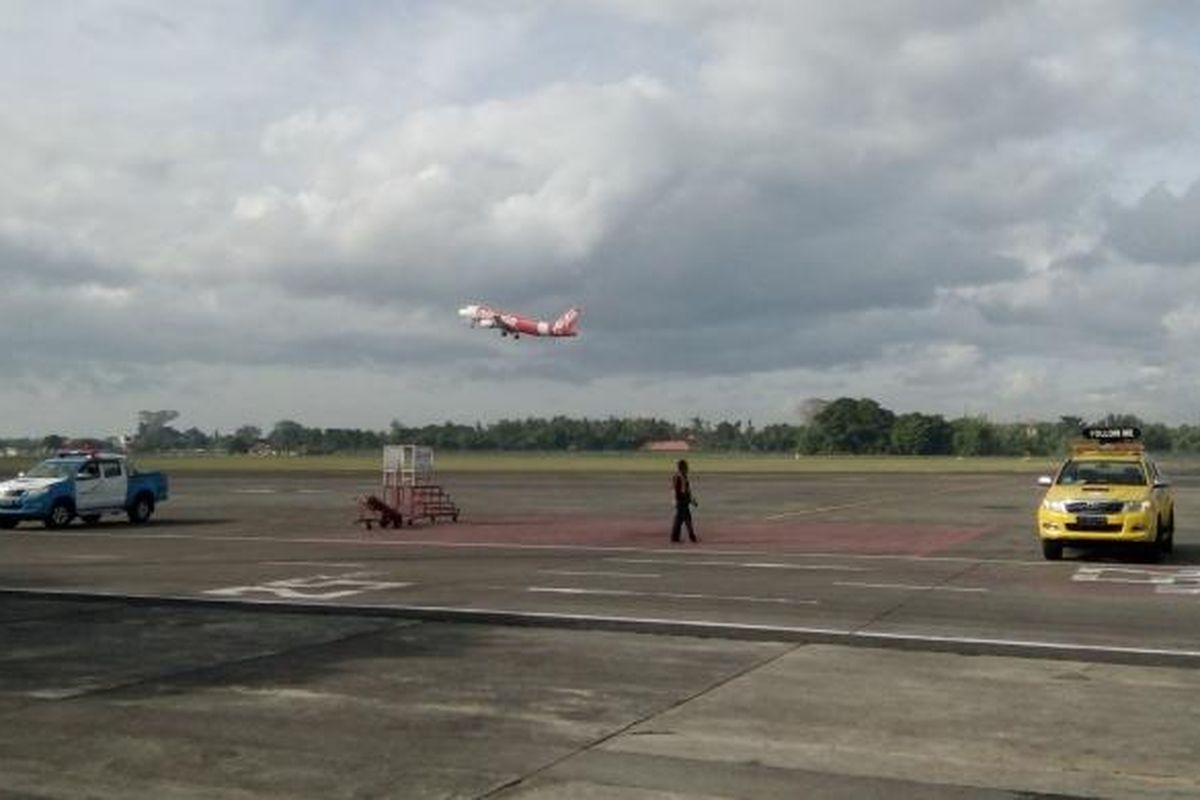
(251, 211)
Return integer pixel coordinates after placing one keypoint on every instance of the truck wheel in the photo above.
(60, 516)
(7, 524)
(141, 509)
(1052, 551)
(90, 519)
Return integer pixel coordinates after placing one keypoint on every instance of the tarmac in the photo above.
(841, 636)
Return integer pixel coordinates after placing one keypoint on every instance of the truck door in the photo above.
(99, 484)
(113, 483)
(87, 486)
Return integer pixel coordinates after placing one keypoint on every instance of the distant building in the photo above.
(668, 446)
(11, 452)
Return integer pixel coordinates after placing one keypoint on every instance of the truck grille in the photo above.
(1094, 527)
(1095, 507)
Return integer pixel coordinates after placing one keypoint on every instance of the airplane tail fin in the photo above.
(566, 324)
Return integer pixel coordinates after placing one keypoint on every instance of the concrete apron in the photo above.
(1081, 729)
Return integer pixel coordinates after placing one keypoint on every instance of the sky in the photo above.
(257, 211)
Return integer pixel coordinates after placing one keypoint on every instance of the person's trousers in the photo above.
(683, 516)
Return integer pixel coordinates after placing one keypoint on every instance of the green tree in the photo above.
(855, 426)
(287, 436)
(243, 439)
(153, 432)
(974, 436)
(53, 442)
(917, 434)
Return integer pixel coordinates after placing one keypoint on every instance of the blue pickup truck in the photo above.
(83, 484)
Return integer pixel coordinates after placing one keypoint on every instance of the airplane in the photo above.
(487, 317)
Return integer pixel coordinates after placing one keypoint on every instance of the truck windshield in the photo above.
(1119, 473)
(52, 469)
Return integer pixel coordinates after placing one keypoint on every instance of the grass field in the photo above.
(586, 462)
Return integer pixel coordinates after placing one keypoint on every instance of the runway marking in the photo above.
(334, 564)
(666, 595)
(600, 574)
(876, 500)
(685, 627)
(253, 491)
(313, 587)
(741, 564)
(1164, 580)
(42, 535)
(911, 587)
(819, 510)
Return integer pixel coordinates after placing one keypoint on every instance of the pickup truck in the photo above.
(82, 484)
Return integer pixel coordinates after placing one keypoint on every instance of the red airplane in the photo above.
(485, 317)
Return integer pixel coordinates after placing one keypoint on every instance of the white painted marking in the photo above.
(1078, 649)
(667, 595)
(740, 564)
(880, 500)
(911, 587)
(312, 491)
(315, 587)
(818, 510)
(334, 564)
(559, 548)
(253, 491)
(1164, 580)
(600, 574)
(88, 557)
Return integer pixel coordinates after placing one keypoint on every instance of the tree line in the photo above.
(853, 426)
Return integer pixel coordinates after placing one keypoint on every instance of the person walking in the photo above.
(684, 501)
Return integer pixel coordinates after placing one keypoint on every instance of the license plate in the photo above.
(1091, 521)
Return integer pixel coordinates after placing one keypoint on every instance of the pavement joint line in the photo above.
(911, 586)
(966, 645)
(642, 720)
(887, 612)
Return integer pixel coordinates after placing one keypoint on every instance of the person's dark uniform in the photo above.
(683, 503)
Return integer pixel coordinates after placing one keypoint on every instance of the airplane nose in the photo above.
(467, 311)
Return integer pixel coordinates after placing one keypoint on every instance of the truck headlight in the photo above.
(1137, 505)
(1055, 505)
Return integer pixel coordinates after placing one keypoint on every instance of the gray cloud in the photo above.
(767, 199)
(1160, 228)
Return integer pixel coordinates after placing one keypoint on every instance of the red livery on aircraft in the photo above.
(486, 317)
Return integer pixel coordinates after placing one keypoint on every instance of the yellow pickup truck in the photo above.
(1108, 490)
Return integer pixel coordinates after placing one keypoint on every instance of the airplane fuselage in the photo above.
(485, 317)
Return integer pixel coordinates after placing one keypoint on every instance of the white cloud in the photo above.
(311, 133)
(942, 206)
